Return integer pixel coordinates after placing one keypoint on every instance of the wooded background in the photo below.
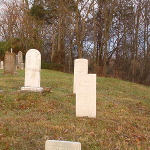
(112, 34)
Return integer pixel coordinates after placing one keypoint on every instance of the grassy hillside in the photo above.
(27, 120)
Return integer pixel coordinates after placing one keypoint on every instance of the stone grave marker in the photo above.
(32, 71)
(62, 145)
(16, 62)
(86, 96)
(80, 67)
(11, 50)
(1, 65)
(20, 60)
(10, 63)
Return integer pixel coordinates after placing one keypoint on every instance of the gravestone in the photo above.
(10, 63)
(11, 50)
(16, 62)
(1, 65)
(86, 96)
(80, 67)
(32, 71)
(21, 66)
(62, 145)
(20, 60)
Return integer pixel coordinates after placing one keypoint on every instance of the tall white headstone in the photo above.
(62, 145)
(80, 67)
(32, 71)
(86, 96)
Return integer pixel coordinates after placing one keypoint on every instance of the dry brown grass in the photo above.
(27, 120)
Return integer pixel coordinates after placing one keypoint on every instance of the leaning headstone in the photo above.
(86, 96)
(1, 65)
(20, 60)
(80, 67)
(32, 71)
(10, 63)
(62, 145)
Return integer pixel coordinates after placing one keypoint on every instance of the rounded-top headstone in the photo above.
(80, 67)
(10, 63)
(32, 70)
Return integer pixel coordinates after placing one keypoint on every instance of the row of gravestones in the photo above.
(84, 83)
(84, 88)
(12, 62)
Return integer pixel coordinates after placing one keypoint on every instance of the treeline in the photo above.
(112, 34)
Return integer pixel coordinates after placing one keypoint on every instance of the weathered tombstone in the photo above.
(10, 63)
(86, 96)
(62, 145)
(1, 65)
(32, 71)
(80, 67)
(16, 62)
(21, 66)
(20, 60)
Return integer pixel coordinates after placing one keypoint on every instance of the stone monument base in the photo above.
(32, 89)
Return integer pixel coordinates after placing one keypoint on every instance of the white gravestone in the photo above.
(86, 96)
(32, 71)
(1, 65)
(62, 145)
(80, 67)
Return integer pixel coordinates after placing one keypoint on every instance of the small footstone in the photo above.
(62, 145)
(33, 89)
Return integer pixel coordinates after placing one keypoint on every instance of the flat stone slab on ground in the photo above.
(33, 89)
(28, 89)
(62, 145)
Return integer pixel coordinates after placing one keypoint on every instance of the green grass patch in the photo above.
(27, 120)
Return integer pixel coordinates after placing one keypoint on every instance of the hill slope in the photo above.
(27, 120)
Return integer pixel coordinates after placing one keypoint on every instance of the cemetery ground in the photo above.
(27, 120)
